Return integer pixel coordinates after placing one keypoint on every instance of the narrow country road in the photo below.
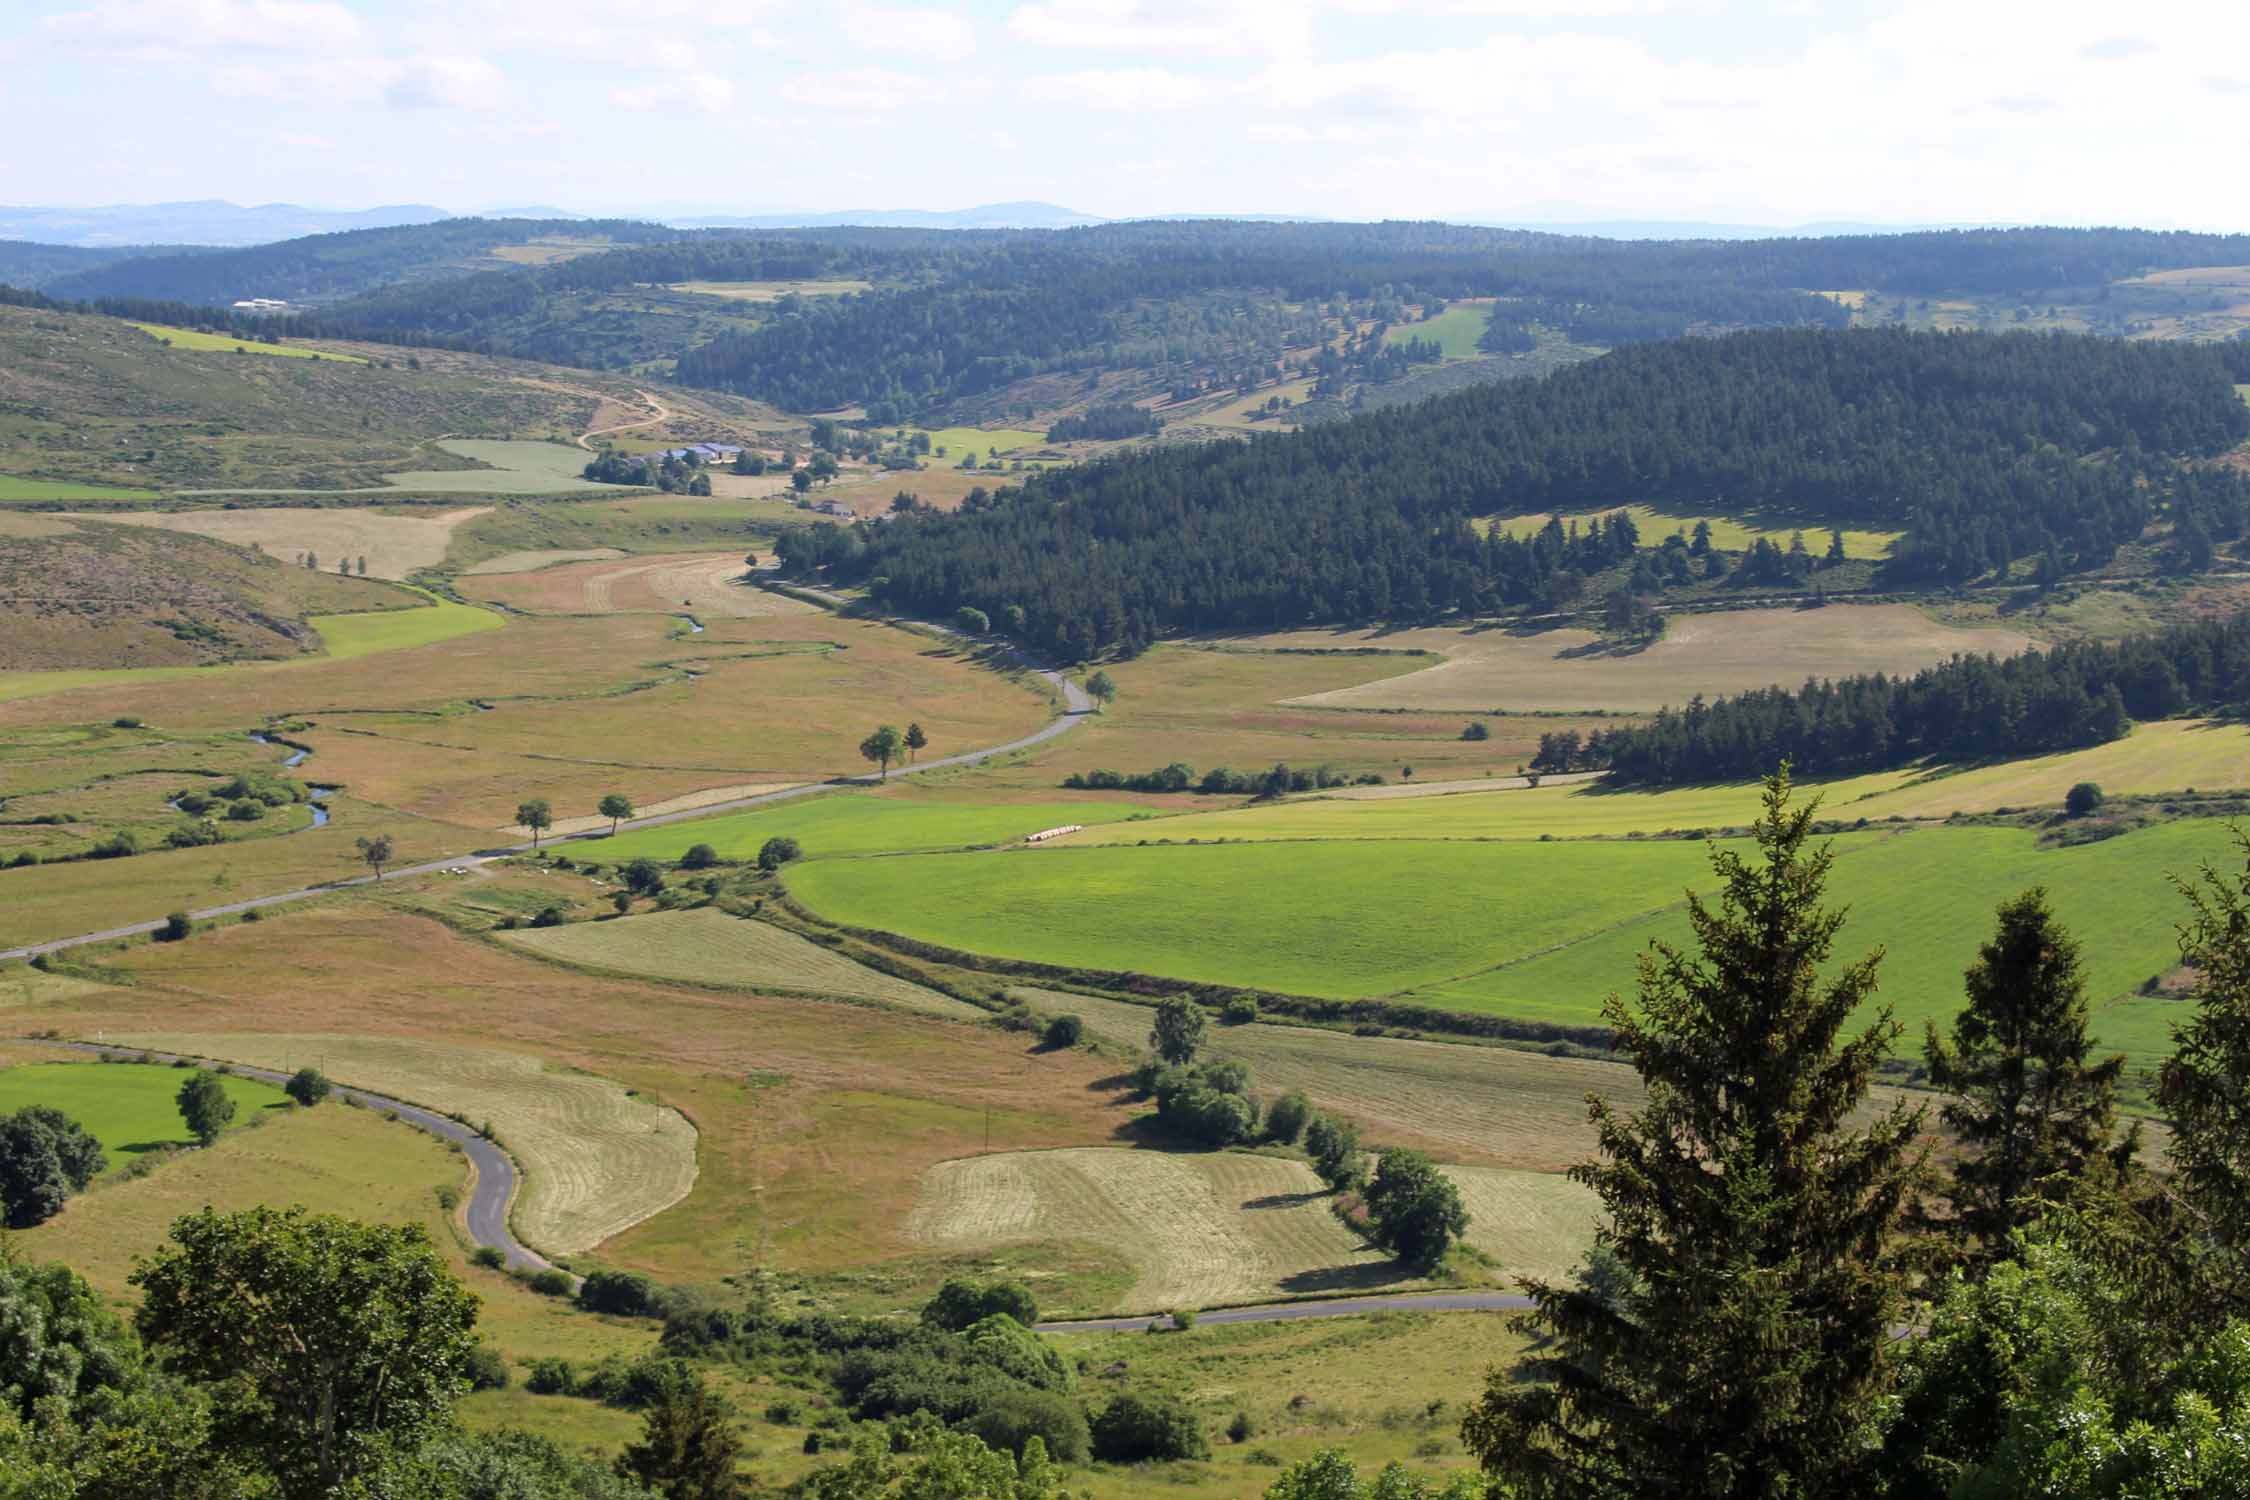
(487, 1209)
(1339, 1307)
(1076, 705)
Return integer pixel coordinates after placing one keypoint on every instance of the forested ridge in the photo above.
(1982, 448)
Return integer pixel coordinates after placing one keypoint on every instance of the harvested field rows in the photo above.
(701, 584)
(706, 946)
(1207, 1230)
(595, 1159)
(1714, 654)
(393, 546)
(531, 562)
(1482, 1104)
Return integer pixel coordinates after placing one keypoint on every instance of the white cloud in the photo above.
(454, 82)
(936, 35)
(865, 91)
(711, 93)
(207, 25)
(1168, 28)
(1126, 89)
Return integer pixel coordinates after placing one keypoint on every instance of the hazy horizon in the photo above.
(1709, 111)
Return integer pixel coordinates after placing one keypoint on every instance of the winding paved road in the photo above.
(1336, 1307)
(490, 1196)
(1076, 705)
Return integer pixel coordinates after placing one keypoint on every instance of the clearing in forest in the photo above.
(1728, 533)
(216, 343)
(1220, 1228)
(706, 946)
(596, 1160)
(1494, 669)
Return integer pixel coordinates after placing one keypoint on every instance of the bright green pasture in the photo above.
(209, 343)
(1927, 896)
(14, 488)
(1338, 918)
(347, 636)
(1728, 533)
(1455, 331)
(854, 823)
(127, 1106)
(979, 440)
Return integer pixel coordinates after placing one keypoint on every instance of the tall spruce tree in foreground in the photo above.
(1757, 1223)
(2204, 1087)
(2032, 1115)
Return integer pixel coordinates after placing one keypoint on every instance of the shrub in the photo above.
(1183, 1318)
(490, 1257)
(776, 852)
(628, 1294)
(549, 916)
(1011, 1419)
(1334, 1148)
(552, 1377)
(448, 1196)
(307, 1087)
(782, 1413)
(1240, 1011)
(550, 1283)
(1137, 1429)
(1063, 1031)
(1476, 730)
(1286, 1119)
(2083, 799)
(487, 1370)
(643, 877)
(1241, 1429)
(961, 1304)
(119, 845)
(699, 857)
(126, 722)
(176, 926)
(248, 810)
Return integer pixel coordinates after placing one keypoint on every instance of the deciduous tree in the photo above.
(204, 1105)
(535, 817)
(882, 747)
(376, 852)
(616, 807)
(1414, 1210)
(1179, 1030)
(916, 740)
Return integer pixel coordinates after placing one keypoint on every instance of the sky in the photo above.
(1741, 111)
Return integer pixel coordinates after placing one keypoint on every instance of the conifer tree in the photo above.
(1756, 1222)
(2200, 1087)
(2032, 1115)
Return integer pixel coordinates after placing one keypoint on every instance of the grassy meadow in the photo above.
(1455, 331)
(216, 343)
(128, 1107)
(1730, 533)
(16, 487)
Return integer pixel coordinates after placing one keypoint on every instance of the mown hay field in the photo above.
(128, 1107)
(982, 441)
(1334, 919)
(1497, 670)
(1487, 1105)
(1455, 331)
(702, 584)
(596, 1160)
(706, 946)
(532, 561)
(1728, 533)
(855, 822)
(393, 546)
(1219, 1228)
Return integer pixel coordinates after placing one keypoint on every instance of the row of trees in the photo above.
(1983, 449)
(1770, 1228)
(2065, 697)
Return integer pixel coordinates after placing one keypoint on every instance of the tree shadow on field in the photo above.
(1286, 1200)
(1372, 1277)
(1110, 1083)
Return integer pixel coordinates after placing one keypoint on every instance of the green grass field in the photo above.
(14, 488)
(127, 1106)
(978, 440)
(1455, 331)
(853, 823)
(347, 636)
(1728, 533)
(188, 338)
(1927, 897)
(1339, 919)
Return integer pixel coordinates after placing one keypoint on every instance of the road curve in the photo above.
(1076, 705)
(1337, 1307)
(495, 1189)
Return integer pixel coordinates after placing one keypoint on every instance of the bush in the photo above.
(1334, 1149)
(489, 1257)
(448, 1196)
(550, 1283)
(1286, 1120)
(643, 877)
(1062, 1032)
(176, 926)
(783, 1413)
(1241, 1429)
(699, 857)
(1240, 1011)
(1476, 730)
(1010, 1419)
(487, 1370)
(307, 1087)
(1183, 1318)
(549, 916)
(126, 722)
(2083, 799)
(552, 1377)
(1137, 1429)
(627, 1294)
(776, 852)
(961, 1304)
